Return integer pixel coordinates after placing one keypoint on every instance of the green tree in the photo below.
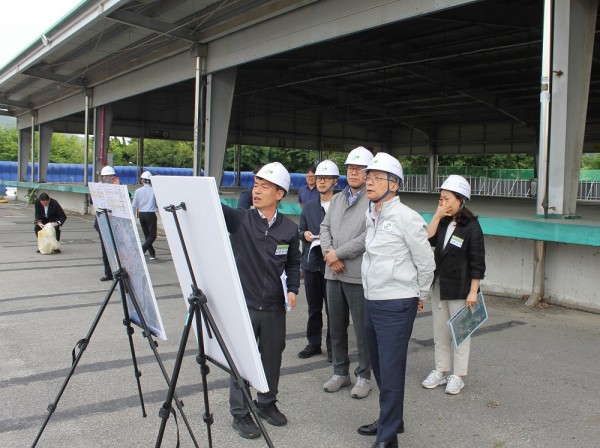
(67, 148)
(9, 144)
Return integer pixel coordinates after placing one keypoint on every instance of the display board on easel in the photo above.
(211, 256)
(124, 227)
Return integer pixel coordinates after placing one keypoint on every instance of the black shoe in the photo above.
(38, 251)
(329, 356)
(371, 430)
(391, 444)
(106, 278)
(309, 351)
(245, 426)
(270, 413)
(56, 251)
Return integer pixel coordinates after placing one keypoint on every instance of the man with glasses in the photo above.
(309, 191)
(343, 244)
(313, 264)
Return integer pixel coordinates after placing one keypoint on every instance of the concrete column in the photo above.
(574, 29)
(46, 131)
(219, 97)
(25, 138)
(102, 125)
(432, 168)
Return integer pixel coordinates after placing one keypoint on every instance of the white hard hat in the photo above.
(457, 184)
(385, 162)
(359, 156)
(327, 168)
(146, 175)
(275, 173)
(107, 171)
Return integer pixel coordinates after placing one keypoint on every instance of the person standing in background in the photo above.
(145, 203)
(107, 176)
(343, 244)
(48, 210)
(397, 271)
(459, 253)
(313, 265)
(309, 191)
(245, 199)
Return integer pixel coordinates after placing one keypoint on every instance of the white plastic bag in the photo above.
(47, 240)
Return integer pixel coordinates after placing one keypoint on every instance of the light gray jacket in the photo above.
(398, 262)
(343, 229)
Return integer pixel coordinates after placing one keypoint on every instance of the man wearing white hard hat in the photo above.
(459, 253)
(313, 265)
(107, 176)
(397, 271)
(265, 245)
(145, 203)
(343, 244)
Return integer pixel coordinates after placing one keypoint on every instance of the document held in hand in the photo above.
(466, 321)
(285, 297)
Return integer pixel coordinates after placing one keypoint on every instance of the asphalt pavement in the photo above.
(534, 378)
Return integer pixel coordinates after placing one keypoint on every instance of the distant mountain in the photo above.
(8, 122)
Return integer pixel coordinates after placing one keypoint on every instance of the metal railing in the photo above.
(588, 190)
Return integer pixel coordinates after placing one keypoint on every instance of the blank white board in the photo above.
(207, 241)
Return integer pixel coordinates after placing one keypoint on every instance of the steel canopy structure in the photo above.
(409, 77)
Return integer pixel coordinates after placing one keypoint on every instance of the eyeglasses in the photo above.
(324, 179)
(355, 169)
(376, 179)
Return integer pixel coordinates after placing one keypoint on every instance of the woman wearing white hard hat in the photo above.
(313, 265)
(459, 252)
(397, 271)
(266, 245)
(145, 203)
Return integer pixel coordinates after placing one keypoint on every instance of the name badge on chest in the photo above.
(456, 241)
(282, 249)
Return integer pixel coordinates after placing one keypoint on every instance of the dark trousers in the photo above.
(37, 228)
(148, 222)
(269, 330)
(388, 326)
(315, 286)
(107, 270)
(345, 300)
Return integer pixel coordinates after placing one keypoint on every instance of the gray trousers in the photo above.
(345, 299)
(269, 329)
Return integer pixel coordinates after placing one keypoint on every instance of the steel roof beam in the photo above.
(155, 25)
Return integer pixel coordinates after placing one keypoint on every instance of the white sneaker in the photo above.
(336, 383)
(362, 388)
(434, 379)
(455, 385)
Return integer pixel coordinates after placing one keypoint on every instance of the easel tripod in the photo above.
(120, 278)
(198, 307)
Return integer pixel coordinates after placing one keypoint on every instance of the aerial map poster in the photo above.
(466, 321)
(124, 228)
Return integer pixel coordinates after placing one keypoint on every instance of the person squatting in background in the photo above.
(313, 264)
(48, 210)
(145, 203)
(265, 245)
(457, 238)
(397, 271)
(343, 244)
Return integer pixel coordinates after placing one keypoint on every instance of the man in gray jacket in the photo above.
(343, 245)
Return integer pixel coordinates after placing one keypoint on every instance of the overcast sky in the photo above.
(24, 21)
